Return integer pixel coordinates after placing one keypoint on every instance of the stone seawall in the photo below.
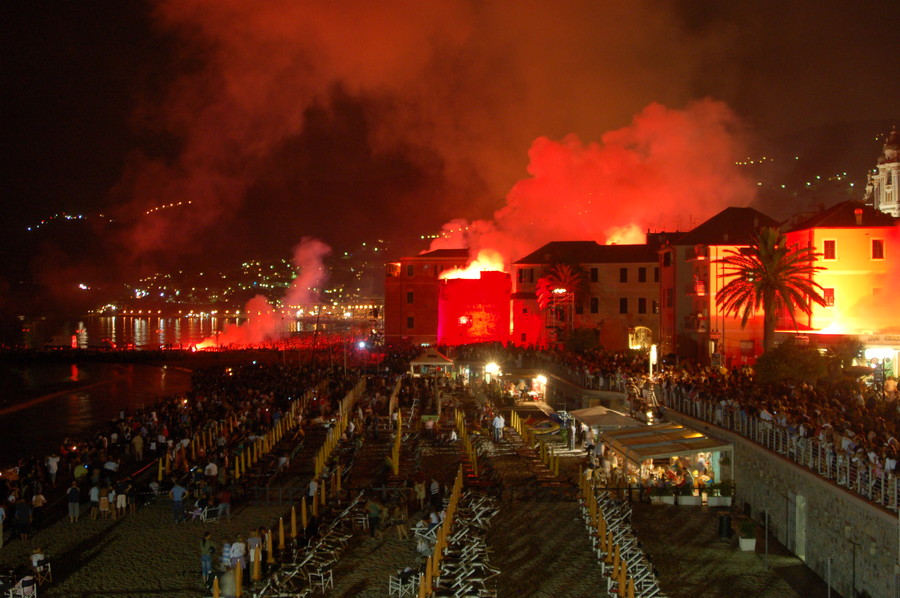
(815, 518)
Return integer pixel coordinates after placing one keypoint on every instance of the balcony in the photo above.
(696, 323)
(697, 288)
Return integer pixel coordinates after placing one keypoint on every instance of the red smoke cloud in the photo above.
(669, 170)
(459, 88)
(265, 321)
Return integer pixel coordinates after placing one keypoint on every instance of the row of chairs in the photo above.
(619, 553)
(465, 569)
(310, 568)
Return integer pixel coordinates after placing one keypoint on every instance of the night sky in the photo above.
(352, 121)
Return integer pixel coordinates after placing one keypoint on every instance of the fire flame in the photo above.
(487, 260)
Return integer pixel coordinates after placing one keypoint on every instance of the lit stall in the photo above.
(646, 452)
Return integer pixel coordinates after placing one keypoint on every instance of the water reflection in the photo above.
(42, 415)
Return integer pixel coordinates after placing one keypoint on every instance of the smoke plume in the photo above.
(458, 89)
(669, 170)
(266, 322)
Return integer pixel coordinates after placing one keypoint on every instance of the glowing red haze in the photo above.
(668, 170)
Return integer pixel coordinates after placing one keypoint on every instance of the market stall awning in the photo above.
(660, 442)
(430, 358)
(604, 418)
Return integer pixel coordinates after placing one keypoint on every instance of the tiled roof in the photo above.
(731, 226)
(589, 252)
(443, 253)
(843, 215)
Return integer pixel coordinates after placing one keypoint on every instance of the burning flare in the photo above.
(487, 260)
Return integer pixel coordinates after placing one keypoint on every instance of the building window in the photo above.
(642, 274)
(595, 305)
(526, 275)
(524, 310)
(670, 297)
(828, 295)
(667, 259)
(524, 337)
(655, 306)
(410, 297)
(595, 274)
(642, 305)
(623, 274)
(656, 274)
(829, 249)
(623, 305)
(410, 270)
(877, 249)
(410, 322)
(579, 308)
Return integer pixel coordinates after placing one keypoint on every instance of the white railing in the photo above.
(866, 480)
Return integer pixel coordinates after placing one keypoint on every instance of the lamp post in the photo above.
(653, 359)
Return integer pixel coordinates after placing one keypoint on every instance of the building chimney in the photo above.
(858, 213)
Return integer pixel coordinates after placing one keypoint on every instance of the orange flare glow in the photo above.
(487, 260)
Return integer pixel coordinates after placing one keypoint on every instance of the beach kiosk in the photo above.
(644, 450)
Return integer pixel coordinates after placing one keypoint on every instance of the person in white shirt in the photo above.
(238, 553)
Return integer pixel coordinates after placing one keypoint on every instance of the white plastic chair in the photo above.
(210, 514)
(26, 588)
(322, 578)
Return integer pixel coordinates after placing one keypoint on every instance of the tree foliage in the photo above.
(769, 276)
(569, 278)
(791, 361)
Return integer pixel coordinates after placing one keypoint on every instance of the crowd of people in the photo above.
(859, 423)
(98, 471)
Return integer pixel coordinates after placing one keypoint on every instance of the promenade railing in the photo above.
(822, 457)
(870, 481)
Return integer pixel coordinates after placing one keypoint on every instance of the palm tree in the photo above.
(769, 275)
(561, 288)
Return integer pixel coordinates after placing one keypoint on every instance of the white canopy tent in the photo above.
(430, 361)
(604, 418)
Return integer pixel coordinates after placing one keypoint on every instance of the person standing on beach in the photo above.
(207, 549)
(137, 444)
(2, 520)
(94, 496)
(23, 519)
(73, 497)
(254, 539)
(38, 501)
(224, 499)
(122, 497)
(178, 494)
(53, 468)
(238, 553)
(374, 509)
(227, 585)
(498, 424)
